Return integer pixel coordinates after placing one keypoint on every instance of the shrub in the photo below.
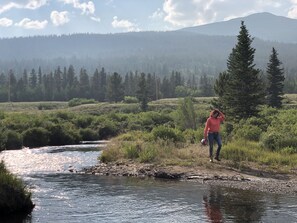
(131, 150)
(148, 154)
(62, 135)
(248, 132)
(14, 196)
(14, 140)
(167, 133)
(276, 140)
(36, 137)
(130, 99)
(107, 129)
(83, 121)
(79, 101)
(88, 134)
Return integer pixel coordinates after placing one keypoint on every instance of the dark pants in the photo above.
(214, 136)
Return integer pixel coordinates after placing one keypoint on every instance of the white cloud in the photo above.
(59, 18)
(32, 4)
(32, 24)
(195, 12)
(87, 8)
(293, 12)
(35, 4)
(124, 24)
(96, 19)
(159, 14)
(5, 22)
(9, 6)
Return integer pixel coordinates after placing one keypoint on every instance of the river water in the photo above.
(63, 195)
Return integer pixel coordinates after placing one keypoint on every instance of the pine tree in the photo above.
(275, 81)
(243, 91)
(142, 93)
(115, 88)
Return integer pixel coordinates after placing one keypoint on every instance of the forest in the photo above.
(65, 84)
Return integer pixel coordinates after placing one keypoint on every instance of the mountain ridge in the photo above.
(266, 26)
(154, 52)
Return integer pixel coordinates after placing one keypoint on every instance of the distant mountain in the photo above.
(264, 25)
(195, 50)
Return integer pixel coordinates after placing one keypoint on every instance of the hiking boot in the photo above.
(211, 159)
(217, 158)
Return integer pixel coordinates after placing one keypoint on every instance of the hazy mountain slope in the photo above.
(262, 25)
(155, 52)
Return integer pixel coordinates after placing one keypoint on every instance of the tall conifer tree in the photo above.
(275, 81)
(244, 89)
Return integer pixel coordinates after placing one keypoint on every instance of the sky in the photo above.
(57, 17)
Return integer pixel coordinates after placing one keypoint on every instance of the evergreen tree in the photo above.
(95, 86)
(142, 93)
(115, 88)
(33, 79)
(102, 85)
(84, 84)
(206, 88)
(243, 92)
(275, 81)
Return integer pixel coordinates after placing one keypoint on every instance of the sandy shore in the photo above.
(218, 175)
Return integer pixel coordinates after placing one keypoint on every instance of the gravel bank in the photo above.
(271, 183)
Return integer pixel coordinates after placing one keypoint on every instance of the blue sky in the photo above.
(46, 17)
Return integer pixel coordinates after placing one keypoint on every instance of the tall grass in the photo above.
(14, 195)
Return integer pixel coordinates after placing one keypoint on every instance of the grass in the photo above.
(14, 196)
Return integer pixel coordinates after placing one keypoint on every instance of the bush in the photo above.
(131, 150)
(107, 129)
(248, 132)
(36, 137)
(130, 99)
(88, 134)
(276, 140)
(148, 154)
(80, 101)
(167, 133)
(62, 135)
(14, 140)
(14, 196)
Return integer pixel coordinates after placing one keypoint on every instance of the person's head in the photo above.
(215, 113)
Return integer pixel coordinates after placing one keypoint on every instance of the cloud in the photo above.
(195, 12)
(5, 22)
(124, 24)
(35, 4)
(59, 18)
(32, 24)
(292, 13)
(9, 6)
(159, 14)
(87, 8)
(96, 19)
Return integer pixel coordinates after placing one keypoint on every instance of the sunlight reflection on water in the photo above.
(50, 159)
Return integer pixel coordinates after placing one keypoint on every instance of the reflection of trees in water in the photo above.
(233, 204)
(244, 206)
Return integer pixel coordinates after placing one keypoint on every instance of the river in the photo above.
(63, 195)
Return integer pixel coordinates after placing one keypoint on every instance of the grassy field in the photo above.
(240, 149)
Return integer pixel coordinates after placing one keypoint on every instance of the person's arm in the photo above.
(206, 129)
(222, 116)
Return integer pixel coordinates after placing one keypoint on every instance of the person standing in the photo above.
(211, 132)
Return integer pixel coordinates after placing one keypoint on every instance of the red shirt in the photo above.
(213, 125)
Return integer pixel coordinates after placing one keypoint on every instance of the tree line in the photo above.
(65, 84)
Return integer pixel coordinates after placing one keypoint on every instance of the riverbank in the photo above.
(217, 174)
